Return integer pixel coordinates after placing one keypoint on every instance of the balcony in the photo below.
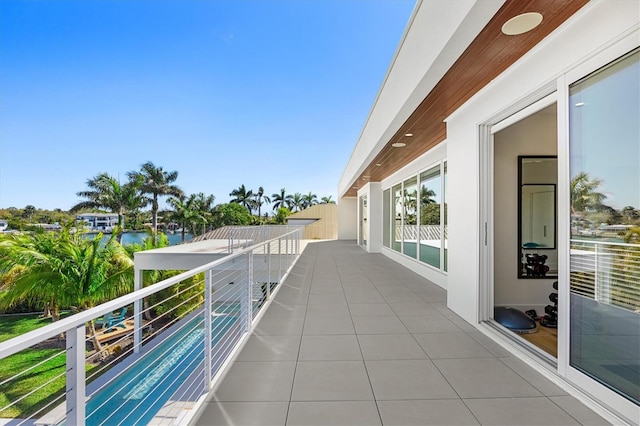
(347, 337)
(355, 338)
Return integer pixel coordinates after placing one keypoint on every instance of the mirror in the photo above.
(537, 216)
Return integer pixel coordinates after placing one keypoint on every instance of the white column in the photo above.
(374, 218)
(137, 311)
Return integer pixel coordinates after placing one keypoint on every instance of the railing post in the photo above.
(279, 259)
(268, 270)
(245, 298)
(137, 313)
(75, 376)
(286, 244)
(249, 293)
(207, 330)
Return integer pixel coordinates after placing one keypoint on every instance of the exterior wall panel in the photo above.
(588, 32)
(348, 218)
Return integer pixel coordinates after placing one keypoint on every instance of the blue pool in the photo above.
(138, 393)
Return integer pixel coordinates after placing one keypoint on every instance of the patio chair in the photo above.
(104, 321)
(117, 321)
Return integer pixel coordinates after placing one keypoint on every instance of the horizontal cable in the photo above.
(26, 370)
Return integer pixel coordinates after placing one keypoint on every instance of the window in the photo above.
(415, 219)
(396, 217)
(604, 138)
(444, 220)
(410, 228)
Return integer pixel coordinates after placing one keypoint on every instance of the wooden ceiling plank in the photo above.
(488, 55)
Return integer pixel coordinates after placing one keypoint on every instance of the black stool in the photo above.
(550, 318)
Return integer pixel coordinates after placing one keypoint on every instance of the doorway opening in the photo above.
(524, 241)
(363, 221)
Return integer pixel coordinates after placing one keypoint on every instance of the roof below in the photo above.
(183, 257)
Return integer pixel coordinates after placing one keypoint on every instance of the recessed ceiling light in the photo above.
(398, 144)
(522, 23)
(378, 164)
(408, 134)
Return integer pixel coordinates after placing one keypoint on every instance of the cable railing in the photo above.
(244, 236)
(158, 351)
(606, 272)
(425, 232)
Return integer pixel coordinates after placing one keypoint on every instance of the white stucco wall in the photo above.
(348, 218)
(373, 192)
(587, 33)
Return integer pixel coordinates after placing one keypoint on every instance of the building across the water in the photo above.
(104, 222)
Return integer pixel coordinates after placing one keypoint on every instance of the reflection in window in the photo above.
(414, 220)
(444, 216)
(396, 214)
(605, 225)
(410, 229)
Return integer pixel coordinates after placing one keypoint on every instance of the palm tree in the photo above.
(201, 206)
(28, 212)
(258, 201)
(584, 193)
(281, 200)
(133, 200)
(182, 212)
(630, 214)
(297, 202)
(105, 192)
(63, 270)
(309, 200)
(327, 200)
(155, 182)
(154, 241)
(427, 196)
(242, 197)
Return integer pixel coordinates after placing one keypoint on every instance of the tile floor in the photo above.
(356, 339)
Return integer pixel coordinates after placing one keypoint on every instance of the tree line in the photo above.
(194, 213)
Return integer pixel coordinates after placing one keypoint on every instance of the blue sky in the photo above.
(261, 93)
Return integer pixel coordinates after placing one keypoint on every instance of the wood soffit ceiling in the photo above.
(490, 53)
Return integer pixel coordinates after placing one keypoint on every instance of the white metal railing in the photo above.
(426, 232)
(244, 236)
(190, 326)
(606, 272)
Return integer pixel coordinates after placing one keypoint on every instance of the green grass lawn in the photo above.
(11, 326)
(15, 325)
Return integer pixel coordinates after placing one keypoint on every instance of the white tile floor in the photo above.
(355, 339)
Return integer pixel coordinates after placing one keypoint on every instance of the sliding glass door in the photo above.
(604, 138)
